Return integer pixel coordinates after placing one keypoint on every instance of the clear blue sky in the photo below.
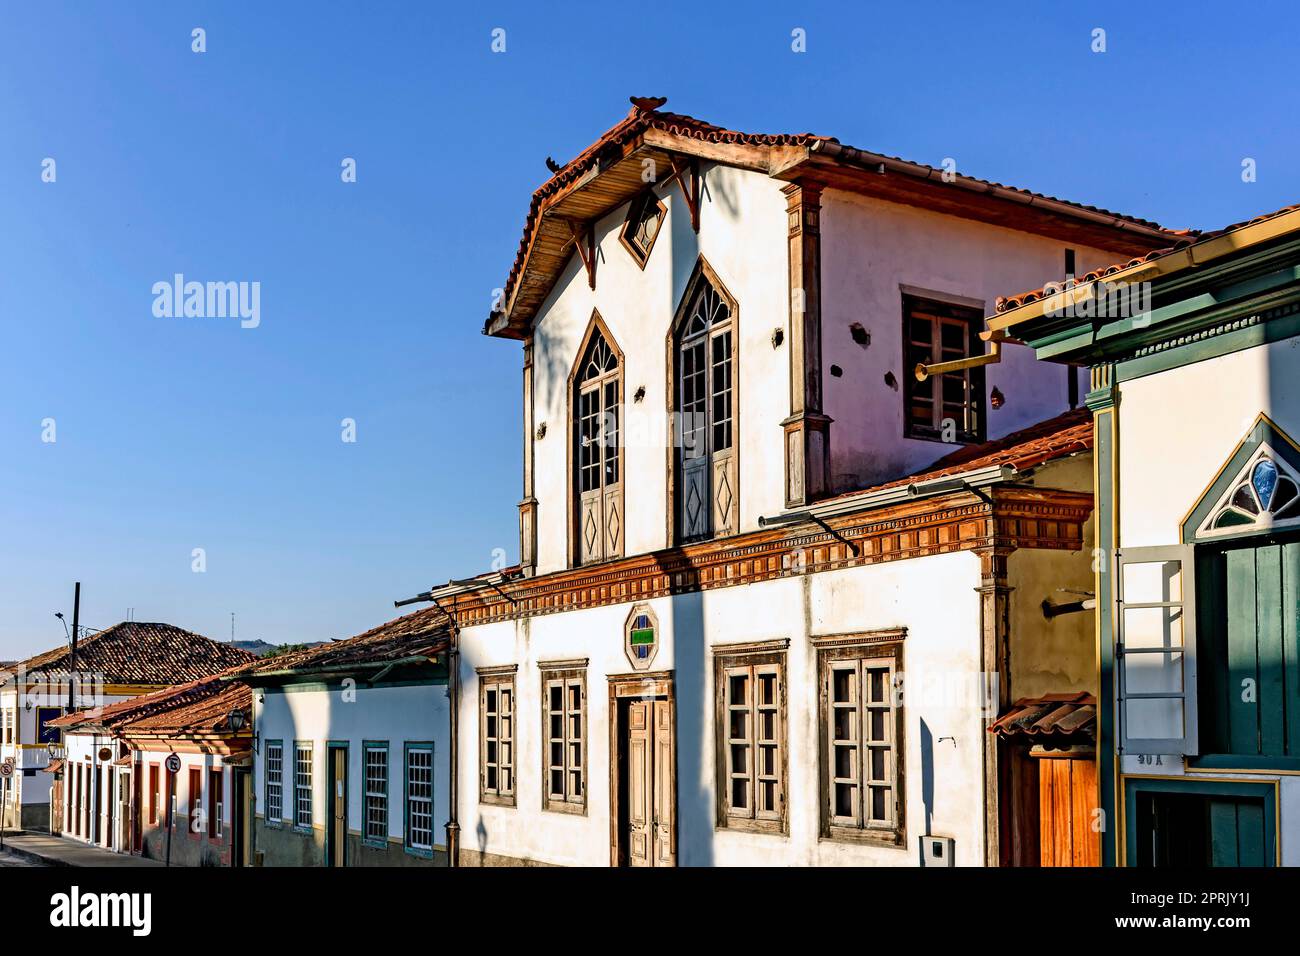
(175, 434)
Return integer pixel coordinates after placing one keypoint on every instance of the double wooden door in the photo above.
(650, 784)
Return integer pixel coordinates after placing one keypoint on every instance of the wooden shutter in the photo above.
(1156, 650)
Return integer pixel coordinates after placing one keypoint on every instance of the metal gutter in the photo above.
(965, 481)
(1189, 257)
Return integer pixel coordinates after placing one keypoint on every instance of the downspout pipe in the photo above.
(453, 750)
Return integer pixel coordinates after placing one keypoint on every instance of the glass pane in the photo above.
(1159, 719)
(1153, 627)
(1153, 673)
(1149, 582)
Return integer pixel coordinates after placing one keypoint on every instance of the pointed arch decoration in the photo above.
(1257, 490)
(595, 443)
(703, 410)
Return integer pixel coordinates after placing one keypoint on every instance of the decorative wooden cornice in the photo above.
(1014, 517)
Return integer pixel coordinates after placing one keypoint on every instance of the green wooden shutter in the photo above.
(1156, 650)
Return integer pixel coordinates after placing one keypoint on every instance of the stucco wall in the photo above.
(396, 714)
(870, 250)
(743, 237)
(933, 597)
(1177, 428)
(1056, 655)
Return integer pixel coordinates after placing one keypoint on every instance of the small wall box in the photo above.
(937, 851)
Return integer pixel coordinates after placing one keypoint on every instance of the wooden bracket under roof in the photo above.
(691, 190)
(582, 237)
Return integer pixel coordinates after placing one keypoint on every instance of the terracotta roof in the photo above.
(201, 706)
(646, 115)
(423, 633)
(1054, 719)
(1008, 302)
(135, 652)
(1067, 434)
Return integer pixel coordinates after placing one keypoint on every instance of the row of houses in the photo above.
(835, 549)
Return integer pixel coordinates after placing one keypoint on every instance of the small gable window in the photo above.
(644, 217)
(1265, 494)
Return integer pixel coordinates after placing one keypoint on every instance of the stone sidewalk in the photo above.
(56, 851)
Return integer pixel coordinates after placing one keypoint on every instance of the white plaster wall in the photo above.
(870, 248)
(933, 597)
(743, 236)
(1178, 428)
(415, 713)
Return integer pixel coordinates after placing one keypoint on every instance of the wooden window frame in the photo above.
(499, 678)
(945, 312)
(367, 748)
(568, 674)
(216, 802)
(278, 819)
(595, 327)
(676, 484)
(410, 747)
(155, 793)
(194, 801)
(639, 202)
(752, 658)
(833, 651)
(307, 746)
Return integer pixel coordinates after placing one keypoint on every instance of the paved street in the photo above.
(42, 849)
(12, 859)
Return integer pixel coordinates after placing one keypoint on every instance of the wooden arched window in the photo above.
(595, 402)
(704, 359)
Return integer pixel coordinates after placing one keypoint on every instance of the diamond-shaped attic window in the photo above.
(644, 217)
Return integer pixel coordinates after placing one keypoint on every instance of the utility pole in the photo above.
(72, 666)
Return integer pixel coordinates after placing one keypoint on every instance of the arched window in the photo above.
(598, 487)
(705, 357)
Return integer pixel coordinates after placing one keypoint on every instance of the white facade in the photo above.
(872, 253)
(1177, 430)
(398, 716)
(934, 598)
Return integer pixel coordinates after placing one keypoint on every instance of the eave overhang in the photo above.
(1189, 287)
(612, 173)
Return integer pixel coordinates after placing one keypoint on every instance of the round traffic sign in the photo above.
(173, 763)
(7, 768)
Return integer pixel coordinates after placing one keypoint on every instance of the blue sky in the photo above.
(175, 434)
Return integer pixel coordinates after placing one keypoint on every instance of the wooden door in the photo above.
(338, 832)
(651, 785)
(640, 784)
(665, 849)
(1067, 795)
(242, 844)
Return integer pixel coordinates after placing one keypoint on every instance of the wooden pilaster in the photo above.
(528, 507)
(807, 429)
(995, 668)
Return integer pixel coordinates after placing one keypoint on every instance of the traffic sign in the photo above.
(7, 768)
(173, 763)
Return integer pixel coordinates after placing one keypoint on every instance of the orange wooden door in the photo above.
(1067, 797)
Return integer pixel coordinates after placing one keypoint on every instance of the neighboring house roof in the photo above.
(1066, 434)
(196, 707)
(1008, 303)
(610, 172)
(1050, 720)
(135, 652)
(421, 634)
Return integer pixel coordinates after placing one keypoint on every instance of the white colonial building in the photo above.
(748, 523)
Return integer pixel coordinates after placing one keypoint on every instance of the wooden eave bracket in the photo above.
(582, 237)
(691, 190)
